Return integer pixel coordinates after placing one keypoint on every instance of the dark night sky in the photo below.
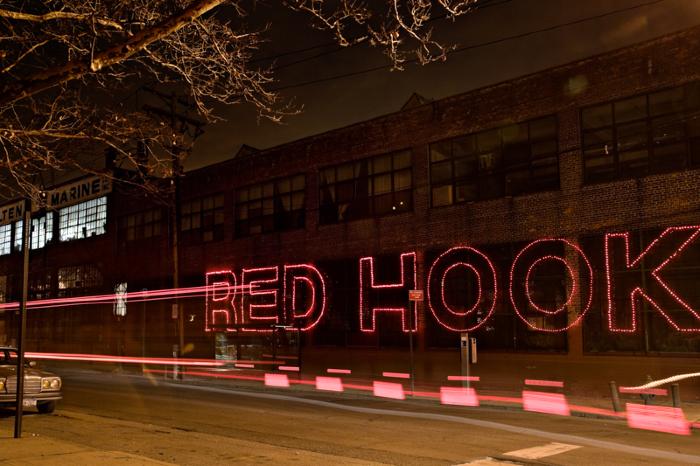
(340, 102)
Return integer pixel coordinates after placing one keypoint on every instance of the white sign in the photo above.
(11, 212)
(83, 190)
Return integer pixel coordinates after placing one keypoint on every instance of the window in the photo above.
(376, 186)
(83, 220)
(509, 160)
(80, 277)
(5, 239)
(141, 225)
(652, 133)
(273, 206)
(203, 219)
(3, 288)
(42, 233)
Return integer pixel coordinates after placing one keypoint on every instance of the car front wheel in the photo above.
(46, 407)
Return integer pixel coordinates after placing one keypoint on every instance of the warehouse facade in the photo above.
(585, 176)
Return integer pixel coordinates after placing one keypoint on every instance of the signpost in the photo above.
(414, 297)
(26, 232)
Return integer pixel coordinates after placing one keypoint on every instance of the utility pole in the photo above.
(180, 123)
(26, 232)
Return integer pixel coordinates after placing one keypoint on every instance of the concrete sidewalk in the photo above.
(32, 449)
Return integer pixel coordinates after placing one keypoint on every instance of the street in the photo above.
(196, 424)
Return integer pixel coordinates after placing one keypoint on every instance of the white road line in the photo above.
(486, 462)
(542, 451)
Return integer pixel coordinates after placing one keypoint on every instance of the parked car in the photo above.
(41, 389)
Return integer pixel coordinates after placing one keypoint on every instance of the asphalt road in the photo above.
(218, 425)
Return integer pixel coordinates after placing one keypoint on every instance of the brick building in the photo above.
(609, 144)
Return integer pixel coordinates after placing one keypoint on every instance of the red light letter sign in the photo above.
(308, 278)
(648, 281)
(472, 261)
(370, 292)
(261, 304)
(526, 264)
(220, 300)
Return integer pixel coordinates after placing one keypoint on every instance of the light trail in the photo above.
(133, 297)
(656, 383)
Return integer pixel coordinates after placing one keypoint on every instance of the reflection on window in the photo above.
(5, 239)
(651, 133)
(141, 225)
(3, 288)
(203, 219)
(83, 220)
(80, 277)
(509, 160)
(372, 187)
(273, 206)
(41, 233)
(40, 285)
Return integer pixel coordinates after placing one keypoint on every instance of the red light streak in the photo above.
(289, 368)
(463, 378)
(458, 396)
(123, 359)
(659, 418)
(244, 366)
(276, 380)
(644, 391)
(338, 371)
(388, 390)
(331, 384)
(396, 375)
(544, 383)
(548, 403)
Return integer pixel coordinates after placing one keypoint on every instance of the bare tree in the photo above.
(65, 65)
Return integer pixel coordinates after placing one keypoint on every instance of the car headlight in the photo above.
(50, 383)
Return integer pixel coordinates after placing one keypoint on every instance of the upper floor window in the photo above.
(272, 206)
(203, 219)
(83, 220)
(141, 225)
(509, 160)
(42, 233)
(650, 133)
(5, 239)
(375, 186)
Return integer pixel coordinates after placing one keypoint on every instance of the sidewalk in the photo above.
(37, 450)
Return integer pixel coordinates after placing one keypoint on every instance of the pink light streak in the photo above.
(544, 383)
(123, 359)
(464, 378)
(396, 375)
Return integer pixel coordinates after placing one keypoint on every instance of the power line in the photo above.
(337, 48)
(475, 46)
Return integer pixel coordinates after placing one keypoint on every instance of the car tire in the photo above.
(46, 407)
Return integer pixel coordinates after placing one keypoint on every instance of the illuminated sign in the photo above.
(11, 212)
(83, 190)
(296, 294)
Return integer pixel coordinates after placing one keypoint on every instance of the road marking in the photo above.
(666, 455)
(542, 451)
(486, 462)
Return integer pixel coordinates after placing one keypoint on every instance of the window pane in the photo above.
(440, 151)
(402, 160)
(596, 117)
(670, 101)
(442, 195)
(631, 109)
(441, 172)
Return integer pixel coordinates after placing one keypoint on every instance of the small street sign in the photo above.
(415, 295)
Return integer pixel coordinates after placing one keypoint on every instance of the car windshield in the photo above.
(8, 357)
